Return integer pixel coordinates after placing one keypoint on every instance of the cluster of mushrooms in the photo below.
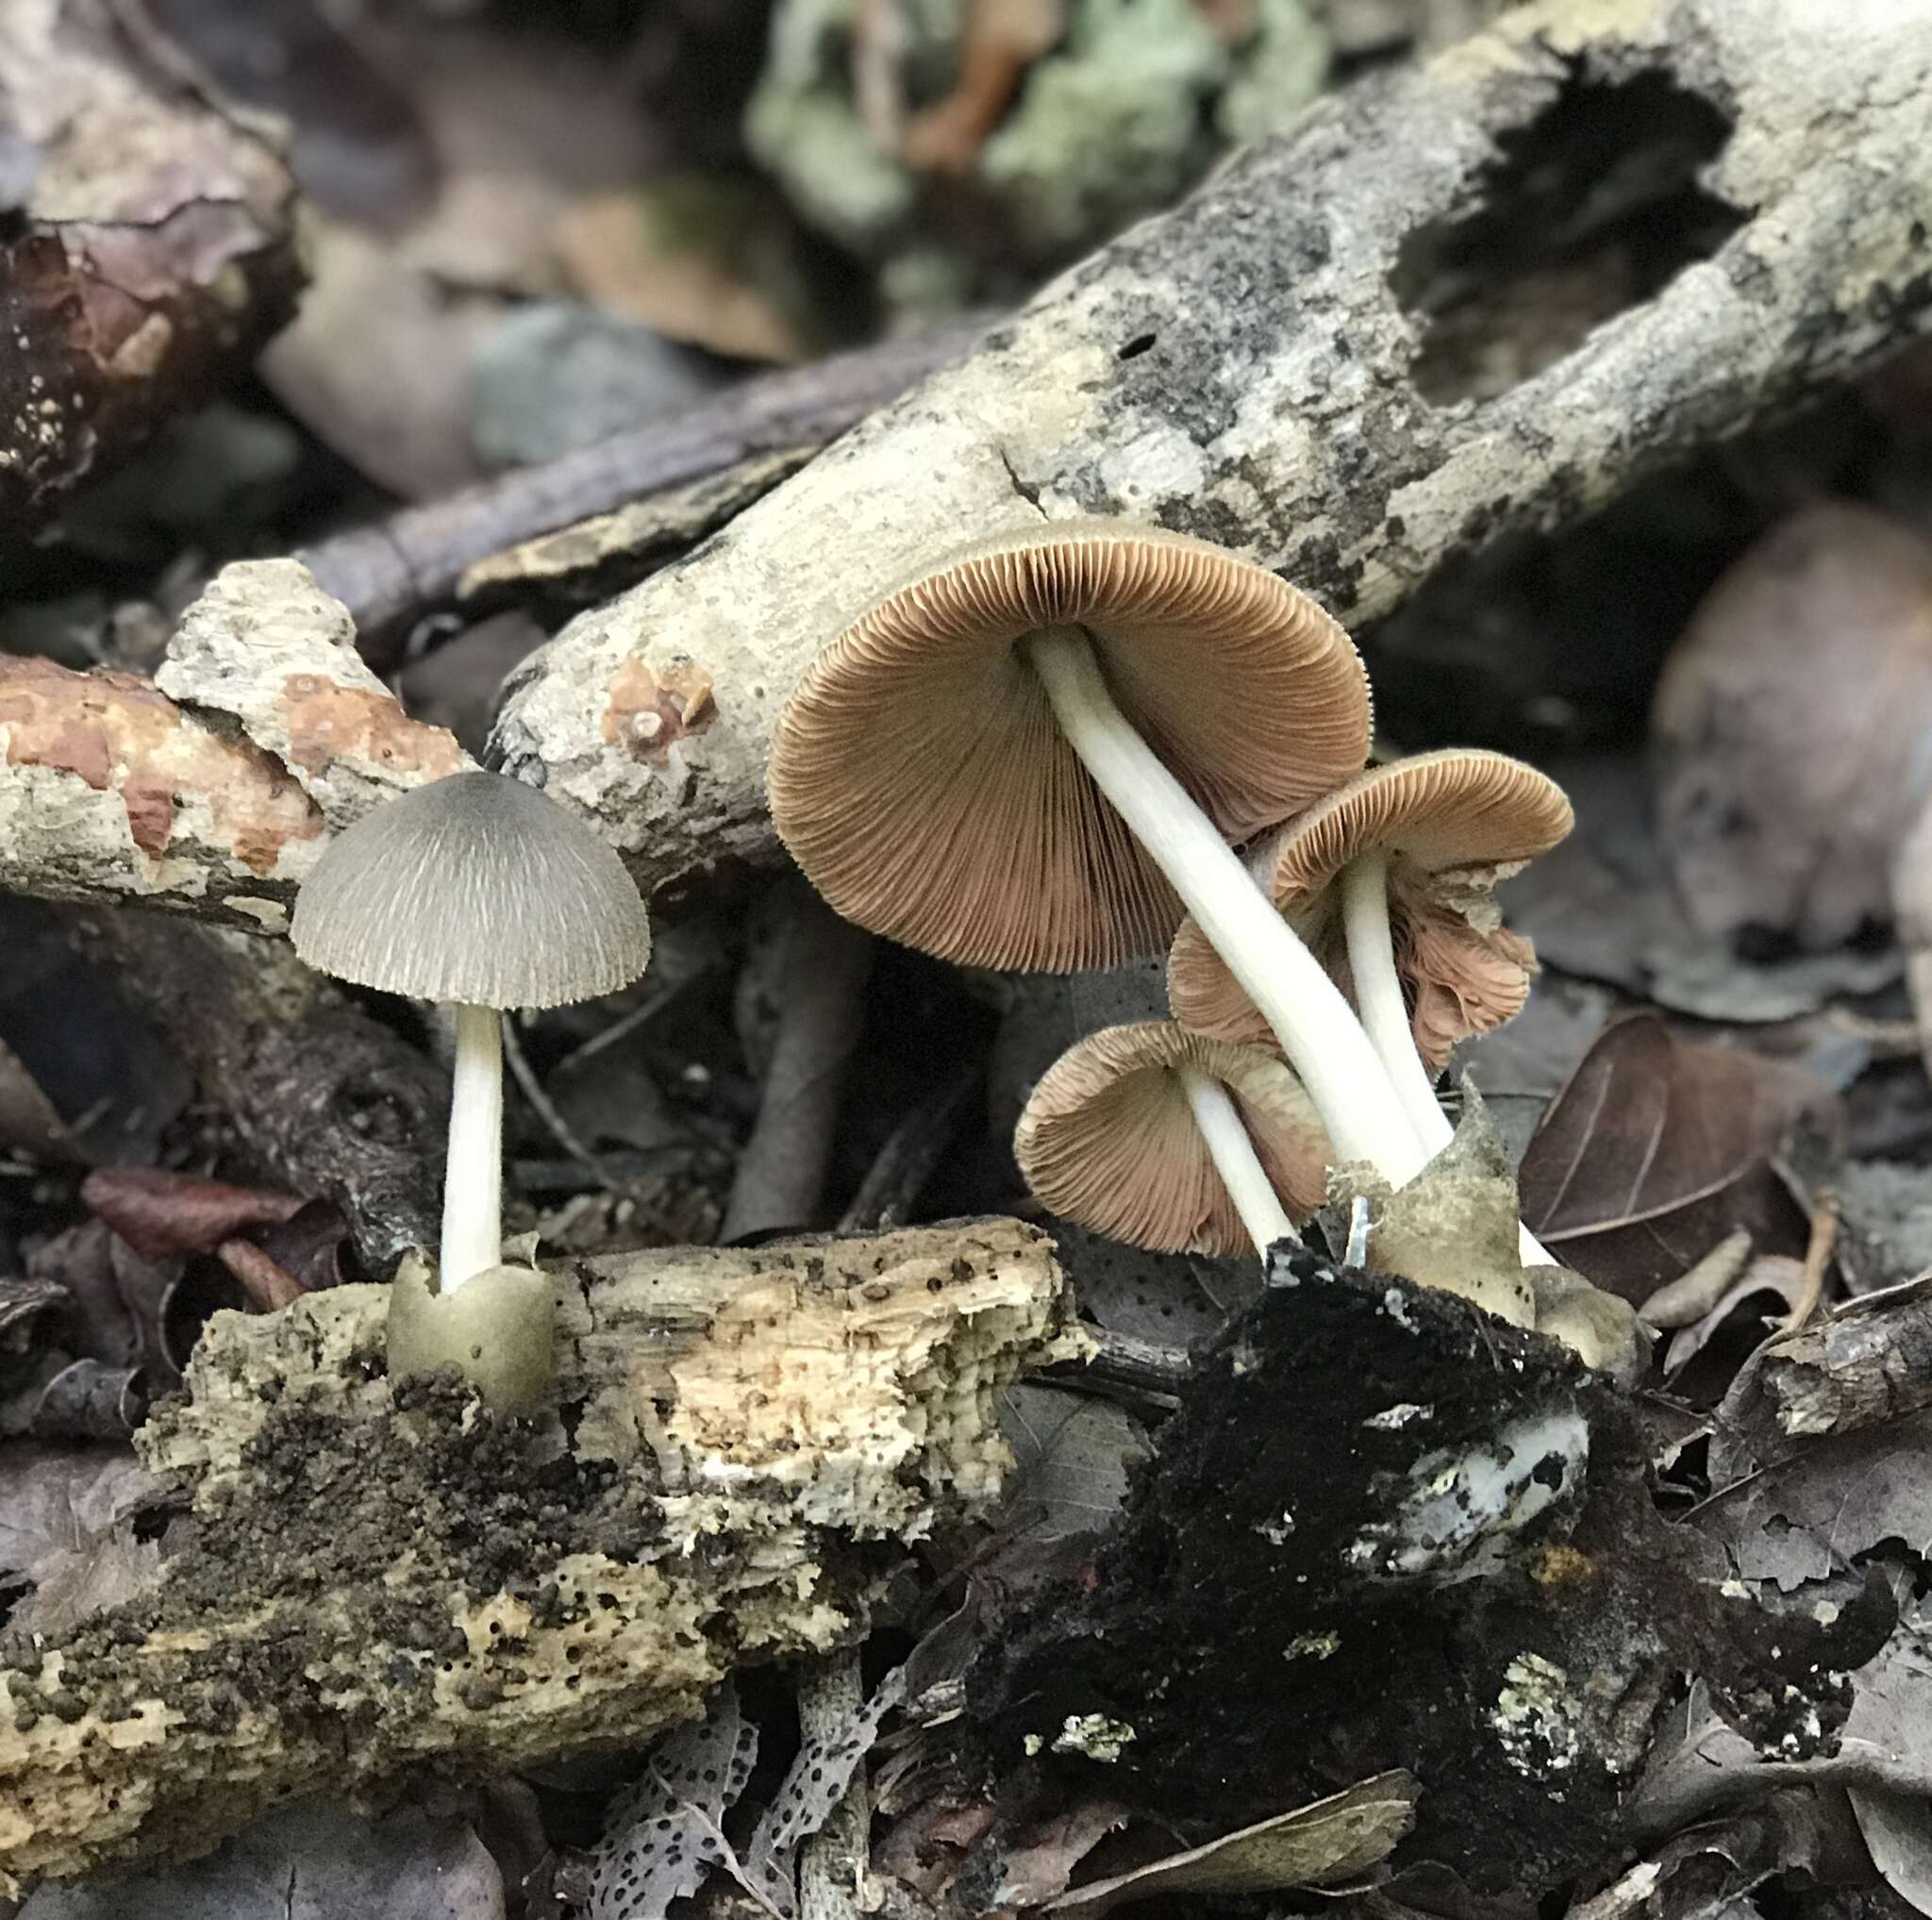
(1042, 756)
(1038, 756)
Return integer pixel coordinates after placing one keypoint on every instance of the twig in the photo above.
(1138, 1373)
(833, 1865)
(392, 574)
(781, 1172)
(1818, 1252)
(561, 1131)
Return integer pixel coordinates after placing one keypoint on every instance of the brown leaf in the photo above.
(1648, 1124)
(1789, 723)
(64, 1528)
(1777, 1275)
(1332, 1843)
(159, 1212)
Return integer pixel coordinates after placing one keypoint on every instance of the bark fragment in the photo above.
(154, 249)
(749, 1438)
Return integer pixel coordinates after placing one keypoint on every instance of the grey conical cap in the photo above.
(475, 888)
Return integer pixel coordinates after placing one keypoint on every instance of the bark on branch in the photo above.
(748, 1439)
(1488, 295)
(1302, 360)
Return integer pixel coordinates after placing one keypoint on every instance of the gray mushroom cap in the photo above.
(477, 889)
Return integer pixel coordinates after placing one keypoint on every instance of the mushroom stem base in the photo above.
(1236, 1162)
(473, 1186)
(1317, 1030)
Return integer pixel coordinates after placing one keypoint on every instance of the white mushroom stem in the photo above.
(1236, 1162)
(1317, 1028)
(473, 1181)
(1385, 1011)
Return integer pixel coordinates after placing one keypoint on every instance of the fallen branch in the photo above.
(1303, 360)
(213, 789)
(394, 572)
(749, 1440)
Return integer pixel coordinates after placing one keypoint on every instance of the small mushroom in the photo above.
(1159, 1137)
(478, 893)
(1035, 754)
(1391, 883)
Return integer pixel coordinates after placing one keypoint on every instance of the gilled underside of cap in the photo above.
(1433, 813)
(1452, 823)
(920, 780)
(475, 888)
(1110, 1140)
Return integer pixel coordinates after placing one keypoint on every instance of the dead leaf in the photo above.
(1071, 1456)
(808, 1794)
(1838, 1498)
(88, 1401)
(1788, 727)
(66, 1531)
(1647, 1127)
(714, 262)
(1333, 1843)
(159, 1212)
(1898, 1832)
(314, 1861)
(1776, 1275)
(358, 143)
(1603, 907)
(1036, 1868)
(664, 1834)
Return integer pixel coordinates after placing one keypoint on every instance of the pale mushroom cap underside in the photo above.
(1452, 823)
(478, 888)
(919, 777)
(1110, 1140)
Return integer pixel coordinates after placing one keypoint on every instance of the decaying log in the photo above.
(213, 788)
(1484, 297)
(148, 246)
(1384, 1530)
(380, 1580)
(419, 559)
(326, 1100)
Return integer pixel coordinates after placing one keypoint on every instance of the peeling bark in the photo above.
(376, 1580)
(213, 789)
(1326, 357)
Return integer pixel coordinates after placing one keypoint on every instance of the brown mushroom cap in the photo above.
(478, 889)
(919, 777)
(1452, 824)
(1109, 1139)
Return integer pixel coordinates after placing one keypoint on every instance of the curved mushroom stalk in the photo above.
(1236, 1162)
(1386, 1017)
(472, 1178)
(1317, 1028)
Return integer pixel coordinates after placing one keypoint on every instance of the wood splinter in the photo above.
(376, 1579)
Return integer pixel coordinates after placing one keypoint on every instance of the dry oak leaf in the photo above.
(1647, 1126)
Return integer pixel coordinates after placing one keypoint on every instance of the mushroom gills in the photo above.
(1236, 1162)
(1317, 1030)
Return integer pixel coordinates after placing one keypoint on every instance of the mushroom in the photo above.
(1035, 756)
(476, 891)
(1169, 1141)
(1392, 881)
